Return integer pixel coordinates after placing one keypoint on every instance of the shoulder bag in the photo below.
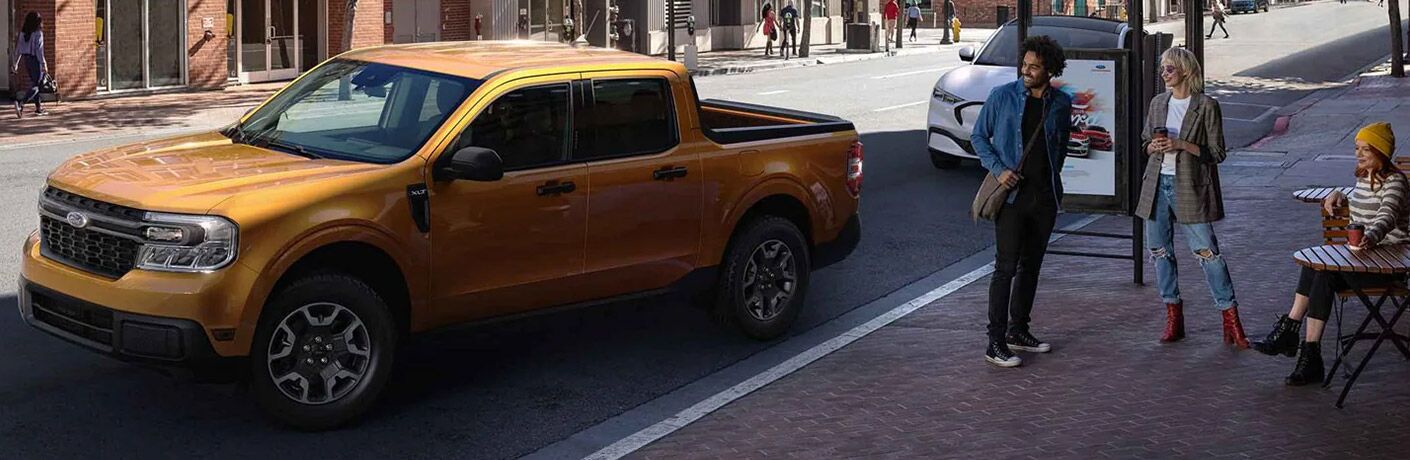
(993, 193)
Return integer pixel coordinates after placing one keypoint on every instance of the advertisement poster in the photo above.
(1091, 152)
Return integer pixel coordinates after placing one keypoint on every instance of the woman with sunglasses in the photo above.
(1184, 137)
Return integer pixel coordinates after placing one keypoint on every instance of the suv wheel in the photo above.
(323, 352)
(943, 160)
(765, 278)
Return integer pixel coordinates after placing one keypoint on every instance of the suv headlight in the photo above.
(187, 243)
(946, 96)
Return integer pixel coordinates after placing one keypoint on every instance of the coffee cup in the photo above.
(1161, 133)
(1354, 234)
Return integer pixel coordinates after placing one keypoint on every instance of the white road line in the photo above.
(665, 427)
(770, 93)
(913, 72)
(902, 106)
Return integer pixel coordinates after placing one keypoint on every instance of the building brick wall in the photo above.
(368, 27)
(206, 60)
(76, 48)
(457, 20)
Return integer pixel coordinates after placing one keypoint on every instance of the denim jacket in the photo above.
(998, 133)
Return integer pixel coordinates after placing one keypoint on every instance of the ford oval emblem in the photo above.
(77, 220)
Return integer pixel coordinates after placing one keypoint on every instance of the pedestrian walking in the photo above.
(913, 19)
(770, 25)
(1379, 202)
(1220, 15)
(30, 52)
(1030, 165)
(1184, 137)
(790, 30)
(889, 14)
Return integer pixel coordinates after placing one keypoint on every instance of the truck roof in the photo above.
(483, 59)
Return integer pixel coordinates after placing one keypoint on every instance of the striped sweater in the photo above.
(1383, 211)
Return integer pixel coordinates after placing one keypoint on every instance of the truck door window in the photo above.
(628, 117)
(527, 127)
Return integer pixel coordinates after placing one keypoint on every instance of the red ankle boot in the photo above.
(1234, 329)
(1174, 323)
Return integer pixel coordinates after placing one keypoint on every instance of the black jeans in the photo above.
(1022, 229)
(1321, 288)
(1219, 25)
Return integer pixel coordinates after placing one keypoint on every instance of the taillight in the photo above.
(854, 169)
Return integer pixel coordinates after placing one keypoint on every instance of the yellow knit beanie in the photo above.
(1380, 136)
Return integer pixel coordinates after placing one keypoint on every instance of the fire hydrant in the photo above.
(955, 24)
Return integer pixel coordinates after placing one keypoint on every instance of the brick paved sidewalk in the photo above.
(119, 116)
(919, 388)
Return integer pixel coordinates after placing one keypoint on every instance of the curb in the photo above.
(833, 58)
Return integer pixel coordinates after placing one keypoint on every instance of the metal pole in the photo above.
(671, 29)
(945, 24)
(1135, 121)
(1025, 18)
(1194, 29)
(900, 28)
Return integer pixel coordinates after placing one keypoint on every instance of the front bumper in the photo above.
(122, 335)
(191, 314)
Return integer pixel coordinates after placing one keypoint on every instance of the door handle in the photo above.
(668, 173)
(556, 188)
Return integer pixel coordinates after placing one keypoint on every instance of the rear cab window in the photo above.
(627, 117)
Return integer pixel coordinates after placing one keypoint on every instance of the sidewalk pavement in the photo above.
(197, 110)
(753, 60)
(919, 387)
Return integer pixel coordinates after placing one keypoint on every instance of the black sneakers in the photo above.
(999, 355)
(1024, 341)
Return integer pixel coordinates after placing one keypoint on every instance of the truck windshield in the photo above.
(357, 111)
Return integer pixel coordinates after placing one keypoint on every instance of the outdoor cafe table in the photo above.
(1316, 194)
(1340, 260)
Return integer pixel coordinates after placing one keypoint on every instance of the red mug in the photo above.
(1354, 234)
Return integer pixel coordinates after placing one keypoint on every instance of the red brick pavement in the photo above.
(74, 120)
(919, 388)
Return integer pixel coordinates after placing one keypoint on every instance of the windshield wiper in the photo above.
(293, 148)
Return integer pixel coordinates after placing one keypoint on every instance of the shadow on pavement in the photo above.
(497, 391)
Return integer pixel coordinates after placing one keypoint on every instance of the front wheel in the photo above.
(322, 352)
(764, 278)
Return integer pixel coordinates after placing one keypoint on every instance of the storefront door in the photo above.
(269, 40)
(416, 21)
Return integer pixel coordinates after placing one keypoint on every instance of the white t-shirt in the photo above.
(1174, 120)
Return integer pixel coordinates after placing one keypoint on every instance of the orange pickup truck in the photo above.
(397, 189)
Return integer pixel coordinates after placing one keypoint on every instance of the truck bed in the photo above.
(727, 122)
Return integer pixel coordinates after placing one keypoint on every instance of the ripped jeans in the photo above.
(1160, 239)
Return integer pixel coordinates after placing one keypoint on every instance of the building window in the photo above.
(819, 8)
(142, 44)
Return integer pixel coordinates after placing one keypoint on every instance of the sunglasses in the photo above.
(1168, 70)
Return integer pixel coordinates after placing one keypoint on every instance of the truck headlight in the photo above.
(187, 243)
(946, 96)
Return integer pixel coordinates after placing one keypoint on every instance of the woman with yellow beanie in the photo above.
(1379, 203)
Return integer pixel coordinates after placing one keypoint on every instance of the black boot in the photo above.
(1309, 366)
(1282, 339)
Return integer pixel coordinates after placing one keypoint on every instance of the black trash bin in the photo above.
(1001, 15)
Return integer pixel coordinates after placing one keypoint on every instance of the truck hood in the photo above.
(188, 174)
(973, 82)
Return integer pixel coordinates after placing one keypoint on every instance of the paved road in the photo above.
(512, 389)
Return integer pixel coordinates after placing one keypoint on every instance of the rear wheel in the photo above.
(764, 278)
(323, 352)
(943, 160)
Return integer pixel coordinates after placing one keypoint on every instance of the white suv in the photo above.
(960, 93)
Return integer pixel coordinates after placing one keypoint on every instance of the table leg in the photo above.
(1375, 313)
(1360, 331)
(1401, 306)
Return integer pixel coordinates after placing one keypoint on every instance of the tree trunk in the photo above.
(807, 28)
(1397, 48)
(345, 84)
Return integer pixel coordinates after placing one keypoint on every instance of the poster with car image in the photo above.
(1091, 166)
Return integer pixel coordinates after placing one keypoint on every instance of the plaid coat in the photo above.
(1198, 197)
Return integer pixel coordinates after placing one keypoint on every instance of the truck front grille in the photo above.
(106, 246)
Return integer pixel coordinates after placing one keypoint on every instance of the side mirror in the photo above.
(967, 54)
(472, 163)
